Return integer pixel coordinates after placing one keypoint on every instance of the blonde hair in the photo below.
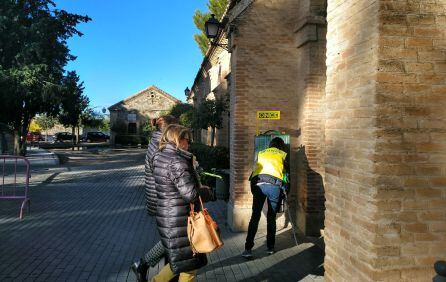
(173, 134)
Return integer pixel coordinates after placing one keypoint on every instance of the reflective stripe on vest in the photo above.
(270, 161)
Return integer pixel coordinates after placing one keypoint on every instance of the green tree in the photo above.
(216, 7)
(105, 126)
(209, 114)
(90, 118)
(34, 52)
(189, 119)
(186, 115)
(178, 109)
(45, 122)
(73, 103)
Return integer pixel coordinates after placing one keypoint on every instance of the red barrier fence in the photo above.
(15, 180)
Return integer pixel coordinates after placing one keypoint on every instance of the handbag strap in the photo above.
(192, 206)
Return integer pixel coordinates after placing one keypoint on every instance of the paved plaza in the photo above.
(88, 223)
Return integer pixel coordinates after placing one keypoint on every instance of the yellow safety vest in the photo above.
(270, 161)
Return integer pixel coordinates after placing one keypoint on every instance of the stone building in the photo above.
(361, 86)
(211, 83)
(129, 116)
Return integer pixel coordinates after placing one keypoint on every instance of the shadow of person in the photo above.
(289, 263)
(310, 195)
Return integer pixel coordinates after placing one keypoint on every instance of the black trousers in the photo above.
(272, 194)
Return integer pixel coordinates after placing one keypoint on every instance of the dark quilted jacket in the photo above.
(176, 187)
(150, 191)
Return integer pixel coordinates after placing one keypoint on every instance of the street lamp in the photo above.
(213, 28)
(187, 91)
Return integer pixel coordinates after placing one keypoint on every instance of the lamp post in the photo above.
(187, 91)
(213, 28)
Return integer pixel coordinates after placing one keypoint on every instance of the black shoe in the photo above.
(247, 254)
(270, 251)
(140, 270)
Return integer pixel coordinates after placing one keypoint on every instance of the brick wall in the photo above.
(263, 77)
(350, 139)
(211, 83)
(411, 136)
(310, 34)
(385, 140)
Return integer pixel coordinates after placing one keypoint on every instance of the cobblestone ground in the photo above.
(88, 223)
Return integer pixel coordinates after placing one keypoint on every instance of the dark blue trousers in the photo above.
(261, 192)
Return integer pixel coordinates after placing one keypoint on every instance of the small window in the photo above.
(132, 128)
(131, 117)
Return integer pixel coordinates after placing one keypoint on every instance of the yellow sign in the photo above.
(268, 114)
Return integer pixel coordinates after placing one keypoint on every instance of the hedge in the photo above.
(210, 157)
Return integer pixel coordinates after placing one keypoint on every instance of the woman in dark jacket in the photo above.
(149, 189)
(177, 186)
(154, 255)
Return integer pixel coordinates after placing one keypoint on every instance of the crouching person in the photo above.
(267, 179)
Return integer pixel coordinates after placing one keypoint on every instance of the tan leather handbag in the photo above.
(203, 231)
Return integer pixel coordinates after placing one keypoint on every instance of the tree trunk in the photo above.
(22, 140)
(73, 134)
(16, 142)
(3, 143)
(212, 136)
(78, 139)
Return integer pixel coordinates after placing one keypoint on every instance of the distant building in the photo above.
(128, 117)
(212, 82)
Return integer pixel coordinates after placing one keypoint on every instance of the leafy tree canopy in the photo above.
(73, 101)
(210, 114)
(90, 118)
(178, 109)
(216, 7)
(45, 122)
(34, 126)
(34, 52)
(187, 115)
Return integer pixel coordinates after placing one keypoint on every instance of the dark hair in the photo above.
(163, 121)
(278, 143)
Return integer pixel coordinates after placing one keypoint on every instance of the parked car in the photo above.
(63, 137)
(34, 137)
(95, 136)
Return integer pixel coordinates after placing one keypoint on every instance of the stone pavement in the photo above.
(41, 157)
(88, 223)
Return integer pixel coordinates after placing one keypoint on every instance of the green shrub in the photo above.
(210, 157)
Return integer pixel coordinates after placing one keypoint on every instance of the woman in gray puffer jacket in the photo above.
(149, 189)
(177, 186)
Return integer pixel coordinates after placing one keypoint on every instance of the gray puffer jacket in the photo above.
(177, 187)
(150, 190)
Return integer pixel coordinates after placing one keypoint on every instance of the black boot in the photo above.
(140, 269)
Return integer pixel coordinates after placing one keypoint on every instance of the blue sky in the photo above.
(130, 45)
